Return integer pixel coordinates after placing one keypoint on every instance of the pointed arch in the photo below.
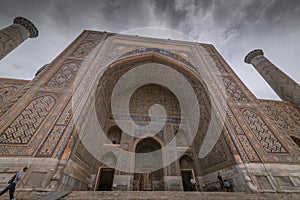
(182, 139)
(186, 162)
(114, 134)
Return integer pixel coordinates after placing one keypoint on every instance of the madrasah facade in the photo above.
(64, 125)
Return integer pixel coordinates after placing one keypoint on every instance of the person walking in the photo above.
(227, 185)
(12, 183)
(219, 177)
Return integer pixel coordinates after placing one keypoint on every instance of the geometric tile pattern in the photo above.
(262, 132)
(234, 91)
(286, 117)
(95, 36)
(6, 42)
(248, 148)
(65, 74)
(24, 126)
(209, 49)
(215, 57)
(6, 93)
(22, 88)
(10, 92)
(162, 52)
(274, 115)
(10, 38)
(243, 139)
(84, 49)
(283, 117)
(218, 63)
(52, 140)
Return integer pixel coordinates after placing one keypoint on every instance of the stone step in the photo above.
(26, 195)
(54, 196)
(174, 195)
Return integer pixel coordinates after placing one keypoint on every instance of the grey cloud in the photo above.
(204, 4)
(165, 10)
(234, 27)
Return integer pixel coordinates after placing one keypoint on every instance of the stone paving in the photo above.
(26, 195)
(174, 195)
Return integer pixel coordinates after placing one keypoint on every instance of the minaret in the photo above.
(13, 35)
(285, 87)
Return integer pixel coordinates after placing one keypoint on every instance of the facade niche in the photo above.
(187, 172)
(182, 139)
(296, 140)
(114, 135)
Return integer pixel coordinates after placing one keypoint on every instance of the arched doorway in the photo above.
(187, 172)
(138, 140)
(106, 178)
(148, 180)
(106, 174)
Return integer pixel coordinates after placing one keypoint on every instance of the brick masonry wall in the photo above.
(36, 116)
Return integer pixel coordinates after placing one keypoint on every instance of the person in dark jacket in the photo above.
(12, 183)
(220, 179)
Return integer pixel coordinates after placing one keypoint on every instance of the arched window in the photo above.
(114, 134)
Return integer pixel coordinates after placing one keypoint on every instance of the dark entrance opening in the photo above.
(186, 179)
(106, 179)
(296, 140)
(148, 179)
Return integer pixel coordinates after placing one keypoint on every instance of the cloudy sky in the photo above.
(234, 27)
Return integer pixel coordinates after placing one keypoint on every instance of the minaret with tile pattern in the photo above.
(285, 87)
(13, 35)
